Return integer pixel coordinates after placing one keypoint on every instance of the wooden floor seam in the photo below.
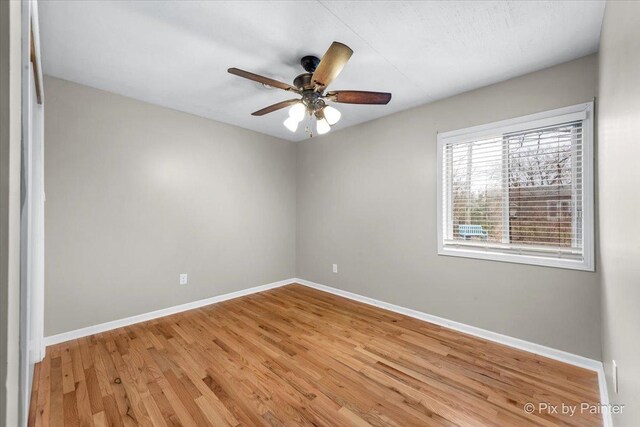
(294, 355)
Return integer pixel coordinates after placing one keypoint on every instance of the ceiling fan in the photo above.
(311, 87)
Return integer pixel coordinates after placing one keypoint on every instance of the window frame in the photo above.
(584, 112)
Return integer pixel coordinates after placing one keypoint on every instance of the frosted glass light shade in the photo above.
(291, 124)
(322, 126)
(297, 112)
(331, 114)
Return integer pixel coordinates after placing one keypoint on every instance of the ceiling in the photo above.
(176, 53)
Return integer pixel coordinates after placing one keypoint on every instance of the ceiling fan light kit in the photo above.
(297, 112)
(311, 87)
(322, 126)
(331, 114)
(291, 124)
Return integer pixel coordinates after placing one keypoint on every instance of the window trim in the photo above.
(582, 112)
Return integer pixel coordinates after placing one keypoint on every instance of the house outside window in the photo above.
(519, 190)
(559, 210)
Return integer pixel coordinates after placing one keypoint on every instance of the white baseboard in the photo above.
(541, 350)
(604, 396)
(114, 324)
(562, 356)
(552, 353)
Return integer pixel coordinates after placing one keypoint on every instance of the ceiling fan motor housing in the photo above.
(311, 98)
(303, 81)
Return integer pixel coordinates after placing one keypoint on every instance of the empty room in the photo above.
(319, 213)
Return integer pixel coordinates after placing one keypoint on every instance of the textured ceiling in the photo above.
(176, 53)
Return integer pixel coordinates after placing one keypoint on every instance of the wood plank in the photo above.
(34, 394)
(298, 356)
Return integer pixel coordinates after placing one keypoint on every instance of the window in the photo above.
(520, 190)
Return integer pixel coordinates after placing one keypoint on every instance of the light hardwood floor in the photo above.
(298, 356)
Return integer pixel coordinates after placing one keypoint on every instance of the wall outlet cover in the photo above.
(335, 268)
(183, 279)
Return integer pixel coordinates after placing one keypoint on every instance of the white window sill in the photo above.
(487, 254)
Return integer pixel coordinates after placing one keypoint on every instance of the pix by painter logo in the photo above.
(572, 409)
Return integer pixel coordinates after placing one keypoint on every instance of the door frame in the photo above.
(32, 207)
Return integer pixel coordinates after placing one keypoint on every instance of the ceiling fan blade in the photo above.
(359, 97)
(262, 79)
(331, 64)
(275, 107)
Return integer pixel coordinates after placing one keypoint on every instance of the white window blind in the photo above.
(515, 190)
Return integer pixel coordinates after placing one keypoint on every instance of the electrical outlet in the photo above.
(335, 268)
(614, 374)
(183, 279)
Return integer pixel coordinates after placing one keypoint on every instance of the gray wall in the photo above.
(619, 187)
(10, 157)
(137, 194)
(367, 201)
